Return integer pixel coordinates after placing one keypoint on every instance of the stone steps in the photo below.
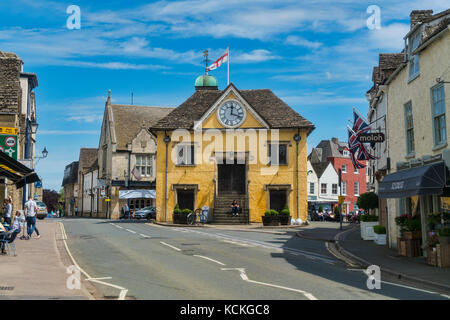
(222, 210)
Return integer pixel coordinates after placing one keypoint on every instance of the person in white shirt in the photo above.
(30, 213)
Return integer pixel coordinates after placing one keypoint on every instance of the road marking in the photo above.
(244, 277)
(166, 244)
(143, 235)
(123, 291)
(203, 257)
(130, 231)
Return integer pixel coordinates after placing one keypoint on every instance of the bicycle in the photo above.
(192, 217)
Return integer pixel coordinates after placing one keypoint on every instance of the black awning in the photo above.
(427, 179)
(16, 172)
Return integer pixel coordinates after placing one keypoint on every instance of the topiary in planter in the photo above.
(270, 218)
(368, 218)
(379, 229)
(285, 216)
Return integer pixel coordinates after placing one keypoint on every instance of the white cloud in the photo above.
(302, 42)
(258, 55)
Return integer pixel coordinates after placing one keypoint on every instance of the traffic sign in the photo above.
(8, 145)
(341, 199)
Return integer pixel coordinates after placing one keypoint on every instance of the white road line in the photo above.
(143, 235)
(123, 291)
(170, 246)
(203, 257)
(130, 231)
(244, 277)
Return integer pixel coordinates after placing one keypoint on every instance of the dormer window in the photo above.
(413, 59)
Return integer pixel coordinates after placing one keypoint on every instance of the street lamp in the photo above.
(34, 125)
(44, 154)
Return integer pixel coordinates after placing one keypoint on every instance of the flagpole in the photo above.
(228, 65)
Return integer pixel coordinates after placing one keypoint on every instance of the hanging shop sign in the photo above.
(371, 137)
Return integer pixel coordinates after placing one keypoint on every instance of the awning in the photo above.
(16, 172)
(137, 194)
(427, 179)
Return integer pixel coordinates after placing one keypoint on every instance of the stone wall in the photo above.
(10, 91)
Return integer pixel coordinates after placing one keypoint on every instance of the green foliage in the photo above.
(444, 232)
(379, 229)
(368, 218)
(412, 224)
(271, 212)
(186, 211)
(320, 208)
(177, 209)
(368, 200)
(433, 219)
(285, 211)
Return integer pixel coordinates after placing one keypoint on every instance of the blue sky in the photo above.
(316, 55)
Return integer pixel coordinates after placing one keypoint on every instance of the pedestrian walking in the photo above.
(30, 214)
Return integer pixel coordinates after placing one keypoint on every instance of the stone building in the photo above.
(17, 123)
(126, 156)
(87, 163)
(417, 94)
(71, 189)
(230, 144)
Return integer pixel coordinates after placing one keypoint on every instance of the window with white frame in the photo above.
(144, 164)
(356, 171)
(185, 154)
(438, 111)
(344, 188)
(356, 188)
(344, 168)
(311, 187)
(334, 188)
(278, 153)
(409, 127)
(323, 188)
(413, 44)
(345, 153)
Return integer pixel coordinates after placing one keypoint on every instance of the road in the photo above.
(159, 262)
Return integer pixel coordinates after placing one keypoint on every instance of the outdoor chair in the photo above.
(4, 239)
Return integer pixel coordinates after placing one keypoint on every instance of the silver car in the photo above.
(146, 213)
(42, 210)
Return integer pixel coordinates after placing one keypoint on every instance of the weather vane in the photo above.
(205, 54)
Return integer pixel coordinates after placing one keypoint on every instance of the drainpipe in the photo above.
(297, 139)
(166, 141)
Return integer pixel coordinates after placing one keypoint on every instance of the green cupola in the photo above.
(206, 82)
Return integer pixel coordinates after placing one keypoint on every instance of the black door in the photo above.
(231, 178)
(278, 199)
(185, 199)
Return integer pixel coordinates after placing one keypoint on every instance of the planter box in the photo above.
(367, 230)
(270, 221)
(179, 218)
(380, 239)
(443, 255)
(284, 219)
(412, 235)
(409, 248)
(432, 256)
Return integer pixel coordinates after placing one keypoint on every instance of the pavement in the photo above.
(37, 272)
(348, 243)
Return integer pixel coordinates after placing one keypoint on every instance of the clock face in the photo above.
(231, 114)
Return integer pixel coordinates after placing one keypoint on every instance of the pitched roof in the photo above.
(129, 120)
(88, 157)
(320, 168)
(70, 174)
(271, 108)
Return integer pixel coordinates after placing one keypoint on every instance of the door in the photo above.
(185, 199)
(278, 199)
(231, 178)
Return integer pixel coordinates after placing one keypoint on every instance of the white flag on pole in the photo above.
(216, 64)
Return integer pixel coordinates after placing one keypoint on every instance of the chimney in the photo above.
(335, 140)
(417, 16)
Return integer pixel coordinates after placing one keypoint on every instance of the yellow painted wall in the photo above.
(203, 174)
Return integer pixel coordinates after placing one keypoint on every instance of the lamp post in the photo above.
(166, 141)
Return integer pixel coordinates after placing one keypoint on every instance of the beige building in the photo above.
(18, 121)
(70, 185)
(87, 163)
(417, 94)
(126, 156)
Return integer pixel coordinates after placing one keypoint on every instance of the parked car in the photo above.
(42, 210)
(145, 213)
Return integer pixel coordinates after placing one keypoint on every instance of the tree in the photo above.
(50, 198)
(367, 201)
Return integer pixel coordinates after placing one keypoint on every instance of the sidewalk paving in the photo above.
(37, 272)
(365, 252)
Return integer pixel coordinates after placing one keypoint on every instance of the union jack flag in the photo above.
(353, 149)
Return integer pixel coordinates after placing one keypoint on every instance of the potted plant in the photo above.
(431, 248)
(444, 235)
(380, 234)
(434, 220)
(180, 216)
(270, 218)
(368, 221)
(411, 228)
(285, 216)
